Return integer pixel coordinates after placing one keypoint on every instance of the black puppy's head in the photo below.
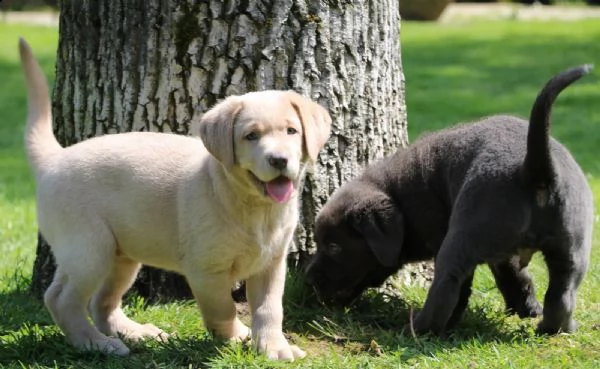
(359, 234)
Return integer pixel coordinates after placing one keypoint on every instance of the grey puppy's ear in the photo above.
(316, 123)
(382, 225)
(216, 130)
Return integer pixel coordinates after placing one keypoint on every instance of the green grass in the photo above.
(454, 73)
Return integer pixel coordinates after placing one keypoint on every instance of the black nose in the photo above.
(278, 162)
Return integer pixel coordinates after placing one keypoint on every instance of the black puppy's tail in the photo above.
(538, 169)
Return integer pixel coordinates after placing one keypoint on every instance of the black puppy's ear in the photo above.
(382, 225)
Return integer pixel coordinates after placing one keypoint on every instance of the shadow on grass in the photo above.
(375, 322)
(33, 345)
(19, 307)
(28, 336)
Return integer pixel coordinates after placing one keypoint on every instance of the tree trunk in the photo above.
(159, 65)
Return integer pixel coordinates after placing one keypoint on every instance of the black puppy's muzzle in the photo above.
(315, 278)
(325, 289)
(311, 272)
(311, 277)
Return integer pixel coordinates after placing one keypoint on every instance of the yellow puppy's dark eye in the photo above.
(252, 136)
(292, 131)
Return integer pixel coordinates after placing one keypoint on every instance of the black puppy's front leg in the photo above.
(516, 286)
(449, 293)
(463, 301)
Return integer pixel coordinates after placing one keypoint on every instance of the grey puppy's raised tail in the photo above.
(539, 171)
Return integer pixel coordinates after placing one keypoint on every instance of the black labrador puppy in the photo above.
(494, 191)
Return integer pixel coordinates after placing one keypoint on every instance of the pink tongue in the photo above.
(280, 189)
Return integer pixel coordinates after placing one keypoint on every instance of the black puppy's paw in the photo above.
(530, 309)
(419, 326)
(548, 328)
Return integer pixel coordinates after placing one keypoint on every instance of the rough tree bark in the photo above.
(159, 65)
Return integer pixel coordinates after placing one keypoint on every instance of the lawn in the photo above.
(454, 72)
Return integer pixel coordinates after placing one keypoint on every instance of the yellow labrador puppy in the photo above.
(216, 210)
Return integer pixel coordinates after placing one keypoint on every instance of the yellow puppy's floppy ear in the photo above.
(216, 130)
(316, 123)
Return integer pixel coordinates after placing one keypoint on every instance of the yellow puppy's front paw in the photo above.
(242, 334)
(289, 353)
(145, 331)
(276, 347)
(235, 331)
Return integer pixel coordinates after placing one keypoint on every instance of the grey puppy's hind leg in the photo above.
(566, 271)
(516, 286)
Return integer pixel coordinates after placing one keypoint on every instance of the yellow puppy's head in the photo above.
(266, 138)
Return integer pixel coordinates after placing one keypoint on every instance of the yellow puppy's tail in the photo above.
(40, 142)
